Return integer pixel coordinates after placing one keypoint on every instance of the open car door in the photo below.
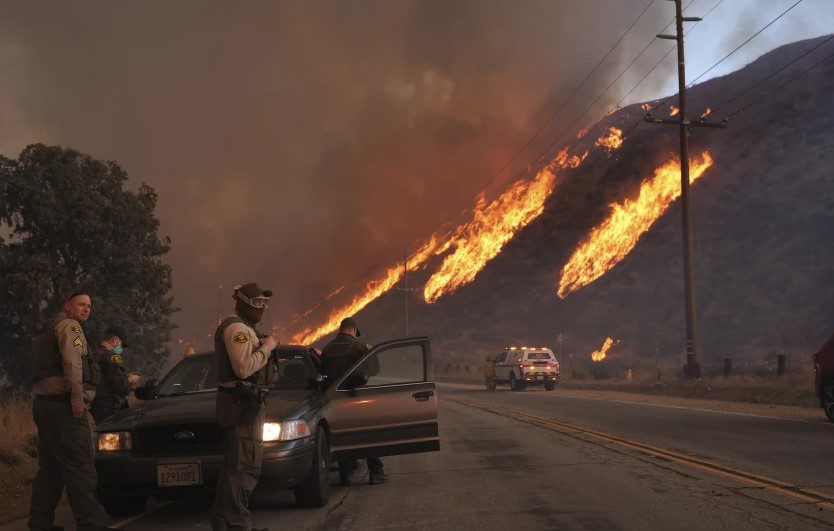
(386, 404)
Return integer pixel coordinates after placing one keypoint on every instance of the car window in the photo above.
(539, 356)
(191, 375)
(293, 370)
(395, 365)
(500, 358)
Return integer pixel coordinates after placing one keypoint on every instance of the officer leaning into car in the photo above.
(242, 357)
(116, 382)
(337, 358)
(64, 378)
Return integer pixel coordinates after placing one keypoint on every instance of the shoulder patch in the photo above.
(115, 358)
(368, 346)
(241, 337)
(75, 328)
(77, 342)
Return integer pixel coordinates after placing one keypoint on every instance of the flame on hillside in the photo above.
(373, 290)
(492, 226)
(599, 355)
(673, 111)
(614, 238)
(646, 107)
(706, 113)
(612, 141)
(564, 161)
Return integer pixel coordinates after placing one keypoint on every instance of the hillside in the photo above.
(763, 223)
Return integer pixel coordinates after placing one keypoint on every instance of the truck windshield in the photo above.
(539, 356)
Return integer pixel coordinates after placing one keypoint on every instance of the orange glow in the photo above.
(673, 111)
(611, 142)
(373, 290)
(706, 113)
(599, 355)
(613, 239)
(646, 107)
(563, 160)
(581, 133)
(492, 226)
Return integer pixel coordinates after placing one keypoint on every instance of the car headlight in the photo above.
(112, 441)
(288, 430)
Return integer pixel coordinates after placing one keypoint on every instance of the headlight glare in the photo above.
(113, 441)
(288, 430)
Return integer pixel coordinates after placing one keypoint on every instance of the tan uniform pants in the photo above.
(65, 460)
(241, 468)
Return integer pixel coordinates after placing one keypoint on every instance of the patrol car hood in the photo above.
(283, 404)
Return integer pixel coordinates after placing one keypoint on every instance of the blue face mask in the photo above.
(118, 349)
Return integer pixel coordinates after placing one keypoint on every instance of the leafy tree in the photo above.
(66, 222)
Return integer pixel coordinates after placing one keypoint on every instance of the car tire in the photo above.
(490, 384)
(121, 507)
(315, 491)
(549, 385)
(827, 399)
(515, 384)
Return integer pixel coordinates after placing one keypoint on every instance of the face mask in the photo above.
(118, 349)
(250, 314)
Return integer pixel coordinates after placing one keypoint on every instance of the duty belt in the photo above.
(65, 397)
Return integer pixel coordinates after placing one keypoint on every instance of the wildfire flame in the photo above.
(612, 141)
(673, 111)
(706, 113)
(493, 225)
(613, 239)
(599, 355)
(646, 107)
(373, 290)
(581, 133)
(564, 161)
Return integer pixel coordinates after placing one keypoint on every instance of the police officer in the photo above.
(116, 383)
(64, 380)
(242, 354)
(337, 357)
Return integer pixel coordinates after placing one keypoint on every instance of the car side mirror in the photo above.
(356, 379)
(147, 390)
(317, 380)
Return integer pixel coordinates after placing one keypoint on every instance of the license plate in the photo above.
(178, 475)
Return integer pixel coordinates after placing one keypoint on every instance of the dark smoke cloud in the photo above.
(298, 143)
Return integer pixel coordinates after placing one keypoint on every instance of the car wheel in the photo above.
(315, 490)
(549, 385)
(121, 507)
(828, 400)
(515, 385)
(490, 384)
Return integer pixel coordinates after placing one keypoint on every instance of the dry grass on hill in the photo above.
(18, 457)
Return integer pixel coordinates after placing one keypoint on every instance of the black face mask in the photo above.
(249, 313)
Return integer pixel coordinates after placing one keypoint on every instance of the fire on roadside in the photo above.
(613, 239)
(599, 354)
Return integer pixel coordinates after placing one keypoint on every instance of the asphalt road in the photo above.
(499, 472)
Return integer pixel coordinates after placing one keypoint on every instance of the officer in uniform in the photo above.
(116, 383)
(64, 381)
(337, 357)
(242, 355)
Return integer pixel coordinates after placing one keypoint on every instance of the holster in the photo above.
(251, 399)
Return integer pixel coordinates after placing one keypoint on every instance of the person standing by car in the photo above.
(64, 381)
(116, 383)
(337, 358)
(242, 354)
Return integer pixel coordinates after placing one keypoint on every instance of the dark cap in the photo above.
(350, 321)
(117, 331)
(75, 293)
(252, 290)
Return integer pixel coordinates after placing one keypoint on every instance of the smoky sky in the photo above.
(299, 143)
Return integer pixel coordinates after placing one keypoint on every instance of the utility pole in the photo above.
(405, 289)
(693, 367)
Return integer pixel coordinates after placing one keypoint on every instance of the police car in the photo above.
(522, 366)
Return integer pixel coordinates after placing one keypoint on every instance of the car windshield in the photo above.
(539, 356)
(292, 370)
(191, 375)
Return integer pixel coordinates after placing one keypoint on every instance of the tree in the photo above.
(67, 222)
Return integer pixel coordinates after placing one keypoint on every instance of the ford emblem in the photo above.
(183, 435)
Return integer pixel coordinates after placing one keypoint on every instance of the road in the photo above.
(500, 470)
